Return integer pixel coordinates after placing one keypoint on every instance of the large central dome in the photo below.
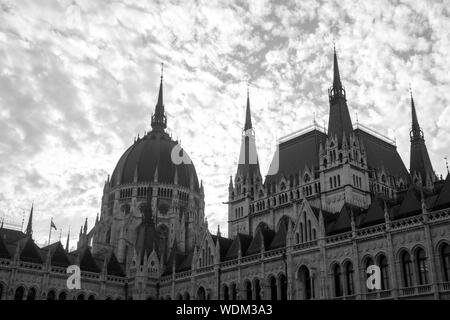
(151, 155)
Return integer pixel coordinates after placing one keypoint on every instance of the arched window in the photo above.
(63, 296)
(283, 285)
(18, 295)
(301, 231)
(337, 281)
(273, 288)
(226, 295)
(51, 295)
(349, 281)
(31, 294)
(445, 256)
(80, 296)
(384, 273)
(91, 297)
(406, 269)
(187, 296)
(248, 290)
(422, 266)
(369, 262)
(257, 288)
(305, 281)
(233, 291)
(201, 293)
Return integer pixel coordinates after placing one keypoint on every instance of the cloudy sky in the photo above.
(79, 80)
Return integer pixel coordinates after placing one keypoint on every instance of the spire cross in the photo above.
(162, 70)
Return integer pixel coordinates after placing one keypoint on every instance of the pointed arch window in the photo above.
(18, 295)
(407, 269)
(422, 267)
(384, 273)
(337, 281)
(369, 262)
(445, 256)
(349, 281)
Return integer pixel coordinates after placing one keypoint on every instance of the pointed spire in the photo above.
(85, 226)
(415, 127)
(96, 219)
(420, 163)
(29, 230)
(248, 118)
(159, 119)
(336, 76)
(67, 241)
(160, 94)
(339, 122)
(219, 234)
(230, 186)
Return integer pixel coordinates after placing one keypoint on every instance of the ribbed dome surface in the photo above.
(148, 153)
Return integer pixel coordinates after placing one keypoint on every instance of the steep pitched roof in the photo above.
(241, 241)
(443, 200)
(263, 237)
(87, 262)
(224, 244)
(410, 205)
(381, 154)
(279, 239)
(304, 149)
(4, 253)
(373, 215)
(186, 263)
(30, 252)
(58, 255)
(340, 222)
(9, 235)
(113, 267)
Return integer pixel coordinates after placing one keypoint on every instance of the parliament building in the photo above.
(335, 202)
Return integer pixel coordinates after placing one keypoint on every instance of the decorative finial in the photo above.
(357, 121)
(162, 70)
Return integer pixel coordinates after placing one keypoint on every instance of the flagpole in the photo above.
(50, 232)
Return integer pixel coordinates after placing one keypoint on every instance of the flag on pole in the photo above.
(53, 225)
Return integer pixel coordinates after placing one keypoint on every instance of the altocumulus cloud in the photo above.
(78, 81)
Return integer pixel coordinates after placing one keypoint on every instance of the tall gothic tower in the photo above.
(246, 182)
(421, 169)
(343, 161)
